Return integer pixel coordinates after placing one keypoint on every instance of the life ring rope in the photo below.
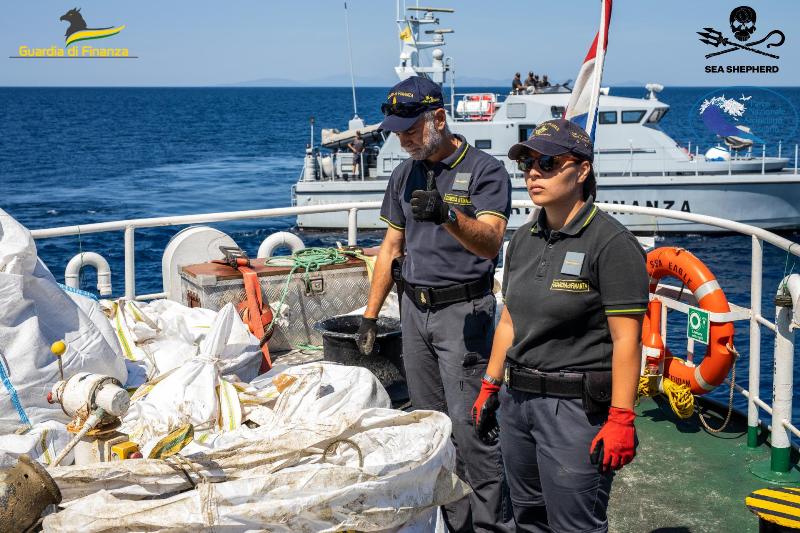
(720, 353)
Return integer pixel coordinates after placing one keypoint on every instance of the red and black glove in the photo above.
(615, 443)
(483, 413)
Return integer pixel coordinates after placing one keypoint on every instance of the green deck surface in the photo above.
(684, 478)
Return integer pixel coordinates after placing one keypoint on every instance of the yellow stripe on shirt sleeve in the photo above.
(392, 224)
(493, 213)
(627, 311)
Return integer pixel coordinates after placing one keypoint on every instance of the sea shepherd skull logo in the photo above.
(743, 26)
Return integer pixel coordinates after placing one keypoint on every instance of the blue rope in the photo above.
(12, 392)
(77, 291)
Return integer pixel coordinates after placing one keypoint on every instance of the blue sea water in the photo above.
(82, 155)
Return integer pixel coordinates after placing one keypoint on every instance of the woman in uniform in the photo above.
(567, 346)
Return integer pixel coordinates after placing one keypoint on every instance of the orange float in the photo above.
(719, 358)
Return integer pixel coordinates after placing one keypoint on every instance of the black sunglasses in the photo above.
(546, 162)
(403, 109)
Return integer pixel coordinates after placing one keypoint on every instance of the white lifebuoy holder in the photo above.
(279, 240)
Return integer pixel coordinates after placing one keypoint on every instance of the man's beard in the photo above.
(431, 141)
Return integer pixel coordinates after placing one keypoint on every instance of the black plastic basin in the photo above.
(386, 360)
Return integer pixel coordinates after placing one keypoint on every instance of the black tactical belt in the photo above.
(556, 384)
(437, 297)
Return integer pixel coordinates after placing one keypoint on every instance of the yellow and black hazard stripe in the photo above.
(779, 505)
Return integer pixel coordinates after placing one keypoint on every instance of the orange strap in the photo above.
(255, 316)
(252, 309)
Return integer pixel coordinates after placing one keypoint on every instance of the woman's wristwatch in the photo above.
(493, 381)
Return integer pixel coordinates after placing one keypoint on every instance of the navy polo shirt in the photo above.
(560, 287)
(469, 180)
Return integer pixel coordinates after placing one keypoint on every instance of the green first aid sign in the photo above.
(697, 325)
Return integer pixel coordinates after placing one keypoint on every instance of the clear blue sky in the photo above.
(216, 43)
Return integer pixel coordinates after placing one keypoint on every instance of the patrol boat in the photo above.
(636, 162)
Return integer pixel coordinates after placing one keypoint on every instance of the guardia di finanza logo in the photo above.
(78, 31)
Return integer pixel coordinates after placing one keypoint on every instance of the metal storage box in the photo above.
(332, 290)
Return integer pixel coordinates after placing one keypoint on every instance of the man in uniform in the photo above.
(530, 83)
(516, 84)
(357, 147)
(447, 207)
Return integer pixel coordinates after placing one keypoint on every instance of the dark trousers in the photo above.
(554, 486)
(445, 353)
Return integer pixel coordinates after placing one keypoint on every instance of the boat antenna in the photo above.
(350, 59)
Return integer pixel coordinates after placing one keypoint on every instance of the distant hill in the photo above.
(339, 80)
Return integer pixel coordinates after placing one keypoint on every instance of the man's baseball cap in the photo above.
(408, 100)
(556, 137)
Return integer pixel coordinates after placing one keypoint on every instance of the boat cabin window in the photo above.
(483, 144)
(632, 117)
(557, 111)
(607, 117)
(525, 131)
(657, 114)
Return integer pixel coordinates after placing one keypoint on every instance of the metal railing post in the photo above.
(780, 148)
(780, 469)
(754, 373)
(763, 157)
(130, 264)
(361, 165)
(782, 384)
(696, 160)
(795, 159)
(352, 227)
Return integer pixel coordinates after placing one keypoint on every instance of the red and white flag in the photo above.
(582, 107)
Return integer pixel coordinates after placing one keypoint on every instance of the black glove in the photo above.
(428, 206)
(365, 338)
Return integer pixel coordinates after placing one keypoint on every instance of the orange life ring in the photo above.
(682, 264)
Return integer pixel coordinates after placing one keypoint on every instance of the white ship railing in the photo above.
(780, 410)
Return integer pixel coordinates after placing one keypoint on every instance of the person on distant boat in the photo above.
(567, 346)
(447, 207)
(544, 82)
(516, 84)
(357, 147)
(530, 81)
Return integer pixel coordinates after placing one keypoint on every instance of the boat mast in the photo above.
(411, 45)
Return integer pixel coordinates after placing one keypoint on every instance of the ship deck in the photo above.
(684, 478)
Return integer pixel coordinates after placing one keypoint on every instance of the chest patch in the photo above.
(570, 285)
(461, 182)
(573, 263)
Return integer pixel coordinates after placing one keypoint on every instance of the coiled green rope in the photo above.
(309, 259)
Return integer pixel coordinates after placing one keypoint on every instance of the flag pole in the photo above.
(602, 41)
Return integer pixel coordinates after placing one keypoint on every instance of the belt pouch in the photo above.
(596, 392)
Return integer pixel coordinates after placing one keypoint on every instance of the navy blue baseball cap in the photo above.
(408, 100)
(556, 137)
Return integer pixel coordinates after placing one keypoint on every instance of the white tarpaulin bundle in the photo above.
(196, 393)
(43, 442)
(282, 481)
(162, 335)
(330, 457)
(34, 313)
